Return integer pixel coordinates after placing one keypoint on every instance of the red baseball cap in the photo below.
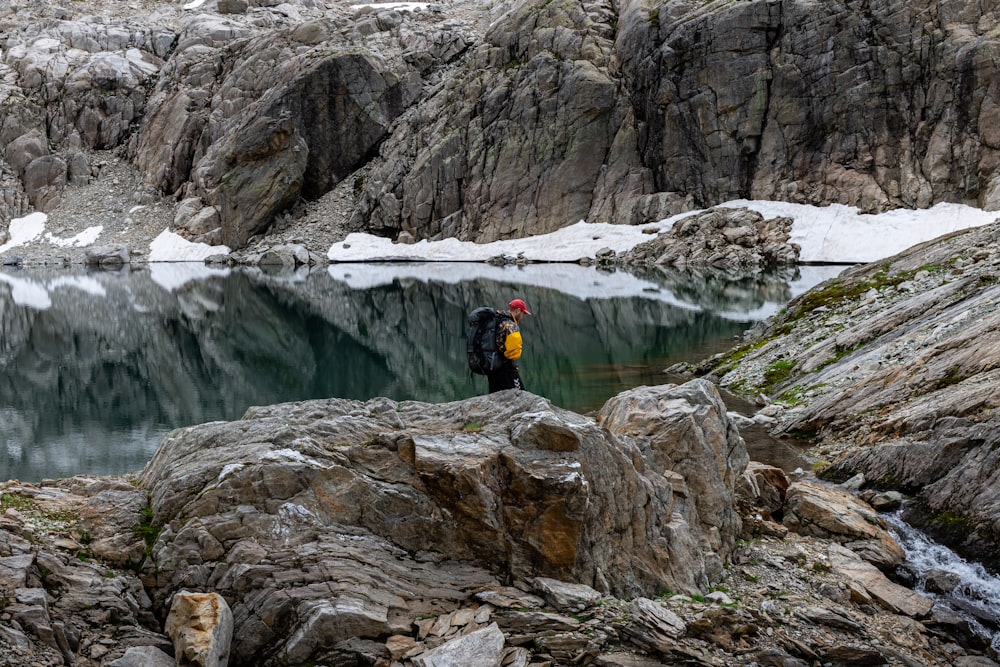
(520, 305)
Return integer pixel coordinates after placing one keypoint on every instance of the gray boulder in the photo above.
(377, 513)
(44, 178)
(144, 656)
(112, 257)
(266, 132)
(723, 238)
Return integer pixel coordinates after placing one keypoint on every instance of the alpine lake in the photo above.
(97, 367)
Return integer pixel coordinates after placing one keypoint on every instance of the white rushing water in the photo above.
(976, 596)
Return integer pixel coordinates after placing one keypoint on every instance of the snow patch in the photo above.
(84, 238)
(826, 234)
(24, 230)
(170, 247)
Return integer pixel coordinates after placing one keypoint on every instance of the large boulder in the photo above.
(723, 238)
(515, 145)
(816, 509)
(345, 519)
(293, 116)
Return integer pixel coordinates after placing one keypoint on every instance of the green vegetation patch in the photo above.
(18, 502)
(792, 396)
(33, 511)
(732, 358)
(778, 372)
(147, 532)
(949, 520)
(951, 378)
(819, 467)
(838, 290)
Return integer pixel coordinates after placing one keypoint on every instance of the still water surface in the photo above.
(95, 368)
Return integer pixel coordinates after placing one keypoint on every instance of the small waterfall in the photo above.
(968, 588)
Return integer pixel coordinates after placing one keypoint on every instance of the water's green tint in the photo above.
(96, 368)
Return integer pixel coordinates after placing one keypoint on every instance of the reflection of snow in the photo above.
(27, 292)
(36, 295)
(583, 282)
(172, 276)
(574, 280)
(82, 283)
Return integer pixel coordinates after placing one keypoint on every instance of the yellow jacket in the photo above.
(512, 342)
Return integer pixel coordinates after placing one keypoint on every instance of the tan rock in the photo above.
(201, 626)
(400, 646)
(864, 578)
(812, 508)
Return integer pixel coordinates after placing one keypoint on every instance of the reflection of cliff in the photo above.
(101, 371)
(716, 290)
(419, 329)
(140, 358)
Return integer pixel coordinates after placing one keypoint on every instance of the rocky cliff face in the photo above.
(447, 126)
(873, 105)
(892, 369)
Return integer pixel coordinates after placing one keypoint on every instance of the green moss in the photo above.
(778, 372)
(147, 532)
(472, 428)
(931, 268)
(820, 467)
(50, 520)
(838, 354)
(952, 377)
(792, 396)
(949, 521)
(17, 501)
(732, 358)
(839, 290)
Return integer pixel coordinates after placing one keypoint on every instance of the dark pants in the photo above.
(507, 377)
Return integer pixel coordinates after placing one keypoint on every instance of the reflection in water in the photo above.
(97, 367)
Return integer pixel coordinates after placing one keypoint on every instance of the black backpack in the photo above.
(483, 340)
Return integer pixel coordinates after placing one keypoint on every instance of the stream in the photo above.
(969, 589)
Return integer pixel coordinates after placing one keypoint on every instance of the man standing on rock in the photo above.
(509, 342)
